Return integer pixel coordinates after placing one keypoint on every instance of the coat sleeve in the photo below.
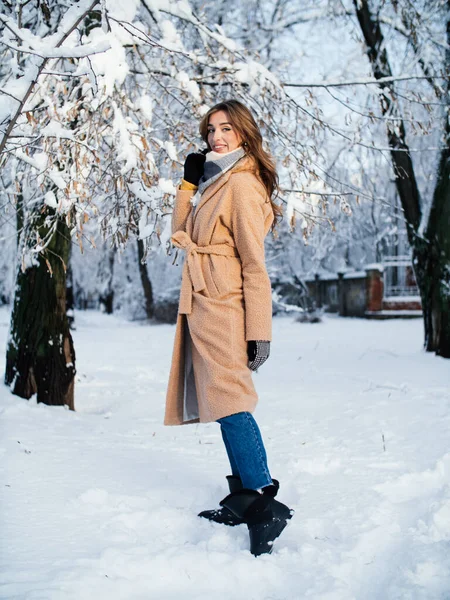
(181, 209)
(251, 219)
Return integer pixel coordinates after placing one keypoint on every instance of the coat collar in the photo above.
(246, 163)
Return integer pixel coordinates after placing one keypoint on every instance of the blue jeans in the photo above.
(245, 449)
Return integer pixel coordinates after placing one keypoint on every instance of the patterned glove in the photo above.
(258, 352)
(193, 167)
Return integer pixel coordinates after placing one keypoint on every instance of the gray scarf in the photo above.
(217, 164)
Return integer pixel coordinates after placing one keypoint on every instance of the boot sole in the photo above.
(223, 519)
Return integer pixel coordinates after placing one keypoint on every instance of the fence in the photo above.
(372, 293)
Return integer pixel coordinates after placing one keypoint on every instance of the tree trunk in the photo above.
(19, 215)
(436, 255)
(146, 283)
(434, 271)
(40, 355)
(437, 315)
(70, 297)
(105, 278)
(431, 251)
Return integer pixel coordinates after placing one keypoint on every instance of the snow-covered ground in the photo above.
(101, 503)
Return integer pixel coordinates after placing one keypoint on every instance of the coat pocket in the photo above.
(219, 274)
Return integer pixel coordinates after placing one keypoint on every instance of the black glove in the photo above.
(258, 352)
(193, 167)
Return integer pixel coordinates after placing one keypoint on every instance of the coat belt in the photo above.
(192, 278)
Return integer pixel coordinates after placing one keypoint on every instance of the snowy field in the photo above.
(101, 503)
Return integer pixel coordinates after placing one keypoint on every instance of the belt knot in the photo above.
(193, 278)
(183, 241)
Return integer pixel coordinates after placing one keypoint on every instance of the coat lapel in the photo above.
(211, 190)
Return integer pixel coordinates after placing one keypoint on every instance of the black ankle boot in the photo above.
(227, 517)
(265, 517)
(223, 515)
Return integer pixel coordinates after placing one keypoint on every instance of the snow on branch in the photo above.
(47, 52)
(114, 108)
(70, 21)
(368, 81)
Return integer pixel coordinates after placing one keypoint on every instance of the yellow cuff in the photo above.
(186, 185)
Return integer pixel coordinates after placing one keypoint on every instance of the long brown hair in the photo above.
(245, 125)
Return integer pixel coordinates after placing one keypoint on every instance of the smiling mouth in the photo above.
(218, 147)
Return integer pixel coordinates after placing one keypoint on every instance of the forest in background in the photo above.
(101, 103)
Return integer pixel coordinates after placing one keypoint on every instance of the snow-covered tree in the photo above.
(98, 96)
(396, 116)
(101, 101)
(426, 26)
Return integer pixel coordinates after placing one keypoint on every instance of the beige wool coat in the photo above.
(225, 297)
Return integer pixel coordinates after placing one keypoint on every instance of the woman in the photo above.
(225, 312)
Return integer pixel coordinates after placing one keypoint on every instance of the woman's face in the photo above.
(222, 137)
